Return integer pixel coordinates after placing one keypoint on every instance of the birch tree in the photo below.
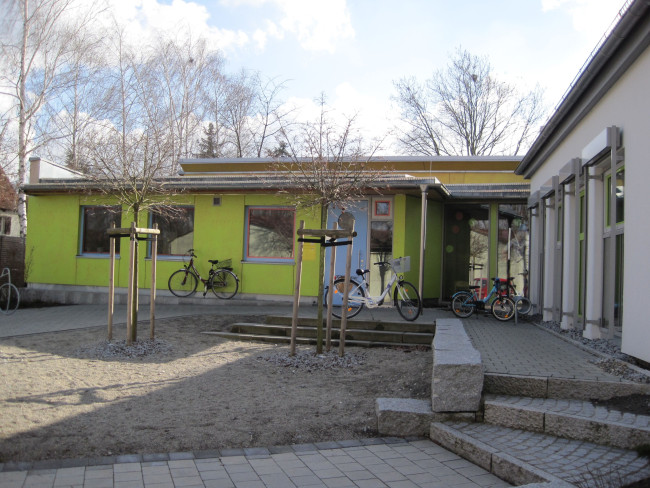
(38, 41)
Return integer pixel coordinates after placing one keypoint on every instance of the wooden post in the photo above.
(330, 297)
(111, 285)
(344, 308)
(296, 295)
(129, 321)
(152, 302)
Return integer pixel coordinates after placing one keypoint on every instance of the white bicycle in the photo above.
(405, 296)
(9, 295)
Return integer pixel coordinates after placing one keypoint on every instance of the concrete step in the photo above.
(393, 337)
(521, 457)
(559, 387)
(572, 419)
(360, 324)
(304, 340)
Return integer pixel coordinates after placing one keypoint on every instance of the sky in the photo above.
(354, 50)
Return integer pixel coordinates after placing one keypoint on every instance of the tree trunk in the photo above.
(22, 125)
(321, 280)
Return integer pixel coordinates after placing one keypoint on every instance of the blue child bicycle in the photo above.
(466, 302)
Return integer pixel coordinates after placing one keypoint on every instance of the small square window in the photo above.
(382, 209)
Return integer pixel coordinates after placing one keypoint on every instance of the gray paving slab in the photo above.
(402, 463)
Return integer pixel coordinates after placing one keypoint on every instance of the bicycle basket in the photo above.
(226, 263)
(401, 265)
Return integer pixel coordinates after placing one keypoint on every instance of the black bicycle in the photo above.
(221, 279)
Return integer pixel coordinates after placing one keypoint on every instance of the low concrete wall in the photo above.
(456, 387)
(457, 379)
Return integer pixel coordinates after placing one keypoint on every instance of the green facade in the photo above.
(53, 244)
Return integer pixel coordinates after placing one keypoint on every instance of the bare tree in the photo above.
(328, 166)
(239, 106)
(271, 115)
(37, 44)
(464, 110)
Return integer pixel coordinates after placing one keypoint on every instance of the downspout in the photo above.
(423, 237)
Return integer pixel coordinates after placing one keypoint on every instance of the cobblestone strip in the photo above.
(578, 408)
(563, 458)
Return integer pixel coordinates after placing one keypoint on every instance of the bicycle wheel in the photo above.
(503, 308)
(461, 304)
(9, 298)
(183, 283)
(523, 305)
(224, 283)
(407, 300)
(356, 294)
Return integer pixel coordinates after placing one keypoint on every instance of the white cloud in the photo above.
(586, 14)
(318, 25)
(144, 19)
(374, 117)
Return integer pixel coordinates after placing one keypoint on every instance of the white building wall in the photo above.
(626, 106)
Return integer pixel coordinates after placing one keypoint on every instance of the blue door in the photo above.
(360, 243)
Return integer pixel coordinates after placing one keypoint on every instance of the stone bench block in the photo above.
(457, 379)
(403, 416)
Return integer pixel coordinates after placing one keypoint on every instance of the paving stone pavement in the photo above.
(370, 463)
(578, 462)
(579, 408)
(519, 349)
(527, 350)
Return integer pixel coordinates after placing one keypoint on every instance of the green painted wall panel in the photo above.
(433, 258)
(52, 239)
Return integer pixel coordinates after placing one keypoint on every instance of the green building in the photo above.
(462, 220)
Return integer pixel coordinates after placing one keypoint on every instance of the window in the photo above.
(95, 221)
(176, 225)
(514, 244)
(270, 233)
(620, 197)
(5, 225)
(466, 246)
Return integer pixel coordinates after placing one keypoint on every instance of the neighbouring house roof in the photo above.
(627, 40)
(8, 195)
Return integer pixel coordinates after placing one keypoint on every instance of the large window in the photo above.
(176, 225)
(514, 240)
(613, 250)
(95, 221)
(269, 233)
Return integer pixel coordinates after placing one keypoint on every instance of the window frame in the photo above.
(268, 259)
(82, 232)
(169, 257)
